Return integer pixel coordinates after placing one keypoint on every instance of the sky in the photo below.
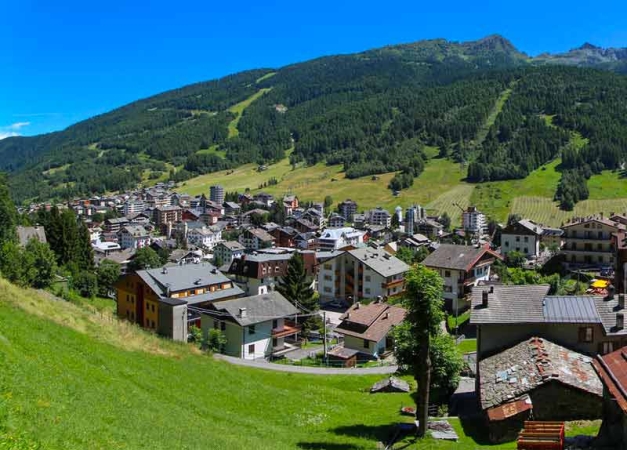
(64, 61)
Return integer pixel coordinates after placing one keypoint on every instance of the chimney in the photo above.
(491, 289)
(214, 271)
(357, 305)
(387, 315)
(620, 320)
(621, 301)
(164, 270)
(484, 299)
(242, 313)
(610, 292)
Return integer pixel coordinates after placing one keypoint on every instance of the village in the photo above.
(548, 349)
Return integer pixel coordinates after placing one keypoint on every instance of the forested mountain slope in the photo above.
(373, 112)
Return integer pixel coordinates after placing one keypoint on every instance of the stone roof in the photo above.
(526, 366)
(180, 278)
(370, 322)
(259, 308)
(25, 234)
(456, 257)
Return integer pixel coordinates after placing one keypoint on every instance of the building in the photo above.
(413, 215)
(588, 242)
(347, 209)
(415, 242)
(552, 238)
(524, 237)
(25, 234)
(258, 274)
(284, 236)
(290, 203)
(204, 237)
(158, 299)
(430, 228)
(366, 328)
(133, 207)
(256, 238)
(115, 225)
(505, 315)
(255, 327)
(133, 236)
(167, 215)
(379, 216)
(336, 220)
(474, 221)
(612, 369)
(231, 208)
(619, 242)
(266, 200)
(226, 251)
(461, 267)
(540, 379)
(338, 238)
(216, 194)
(361, 273)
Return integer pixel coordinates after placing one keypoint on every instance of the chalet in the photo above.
(461, 268)
(264, 199)
(204, 237)
(256, 238)
(255, 327)
(415, 242)
(25, 234)
(366, 328)
(540, 379)
(231, 208)
(305, 241)
(303, 225)
(505, 315)
(429, 227)
(524, 237)
(258, 274)
(588, 242)
(361, 273)
(336, 220)
(115, 225)
(226, 251)
(612, 369)
(158, 299)
(290, 202)
(284, 236)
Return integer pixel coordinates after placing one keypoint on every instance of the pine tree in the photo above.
(296, 288)
(8, 214)
(84, 250)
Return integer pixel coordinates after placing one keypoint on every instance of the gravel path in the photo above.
(382, 370)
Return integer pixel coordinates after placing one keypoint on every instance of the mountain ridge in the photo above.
(356, 109)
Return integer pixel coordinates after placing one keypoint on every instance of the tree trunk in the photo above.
(423, 378)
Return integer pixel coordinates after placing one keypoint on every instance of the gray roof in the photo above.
(183, 277)
(380, 261)
(570, 310)
(135, 230)
(522, 368)
(232, 245)
(25, 234)
(456, 257)
(259, 308)
(509, 304)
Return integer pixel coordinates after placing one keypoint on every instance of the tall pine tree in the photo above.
(295, 286)
(8, 215)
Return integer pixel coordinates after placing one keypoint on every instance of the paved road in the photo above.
(383, 370)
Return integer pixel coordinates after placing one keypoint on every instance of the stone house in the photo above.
(538, 377)
(612, 369)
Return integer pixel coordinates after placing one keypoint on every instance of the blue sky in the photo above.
(64, 61)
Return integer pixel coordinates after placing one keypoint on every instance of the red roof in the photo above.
(612, 369)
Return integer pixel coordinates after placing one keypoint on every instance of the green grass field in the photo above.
(73, 377)
(239, 108)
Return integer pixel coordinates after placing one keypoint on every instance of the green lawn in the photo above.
(467, 346)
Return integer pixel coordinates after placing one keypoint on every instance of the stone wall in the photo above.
(556, 401)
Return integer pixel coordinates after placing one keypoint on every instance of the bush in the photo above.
(216, 340)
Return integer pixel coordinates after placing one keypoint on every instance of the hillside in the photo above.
(482, 104)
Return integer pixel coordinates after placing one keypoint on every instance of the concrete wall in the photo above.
(172, 322)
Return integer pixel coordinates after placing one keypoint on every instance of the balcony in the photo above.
(288, 329)
(393, 283)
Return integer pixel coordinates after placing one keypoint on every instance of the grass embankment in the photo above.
(239, 108)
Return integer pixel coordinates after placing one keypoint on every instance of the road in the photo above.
(381, 370)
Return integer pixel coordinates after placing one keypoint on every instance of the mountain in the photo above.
(589, 55)
(372, 111)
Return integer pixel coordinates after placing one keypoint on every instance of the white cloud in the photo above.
(12, 130)
(6, 134)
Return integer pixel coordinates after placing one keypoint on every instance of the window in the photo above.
(251, 329)
(328, 277)
(607, 347)
(275, 324)
(526, 250)
(600, 235)
(586, 334)
(517, 238)
(328, 267)
(222, 326)
(367, 290)
(367, 277)
(526, 239)
(447, 273)
(366, 344)
(216, 324)
(506, 243)
(251, 349)
(275, 342)
(327, 289)
(448, 289)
